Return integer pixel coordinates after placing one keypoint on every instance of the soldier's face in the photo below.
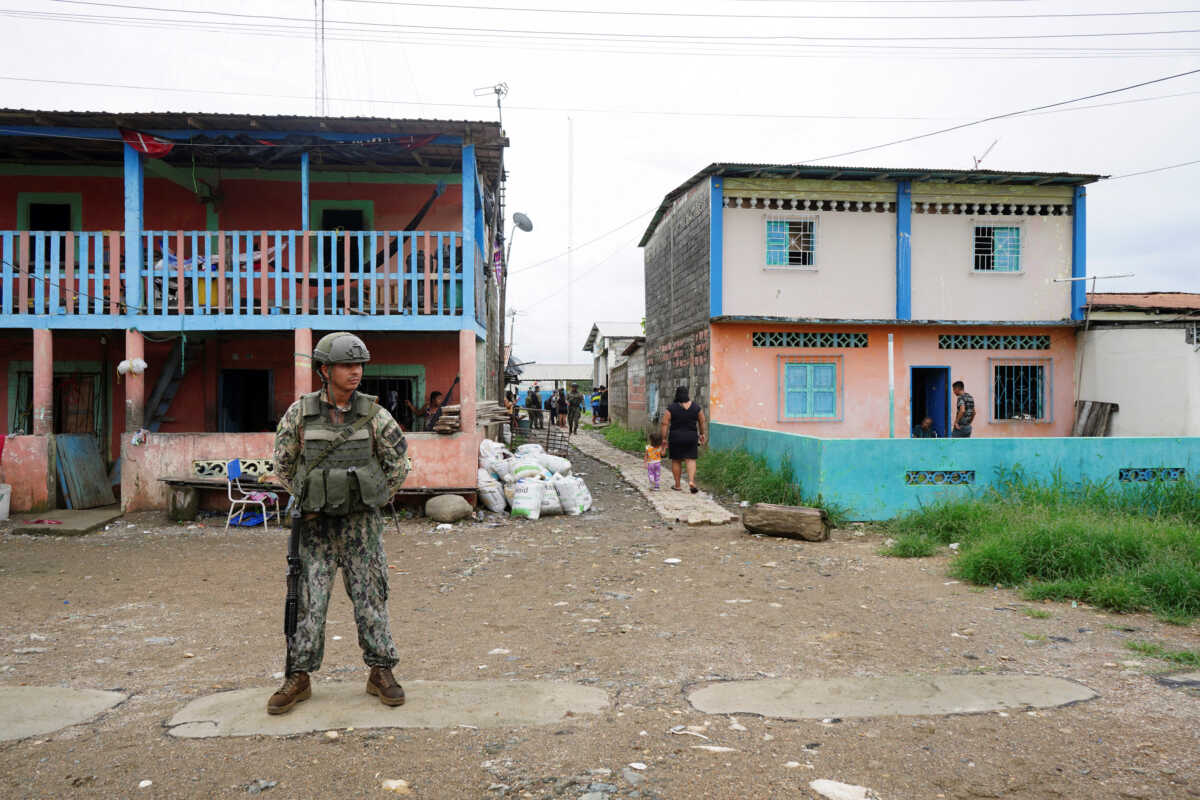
(344, 378)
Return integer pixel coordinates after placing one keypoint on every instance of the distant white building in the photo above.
(1140, 351)
(553, 376)
(606, 342)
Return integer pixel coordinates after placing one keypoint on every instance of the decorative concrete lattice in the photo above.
(1151, 474)
(939, 477)
(252, 468)
(807, 339)
(807, 204)
(964, 341)
(994, 209)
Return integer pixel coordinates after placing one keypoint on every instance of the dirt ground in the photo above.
(586, 599)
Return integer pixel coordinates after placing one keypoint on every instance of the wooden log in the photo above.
(792, 522)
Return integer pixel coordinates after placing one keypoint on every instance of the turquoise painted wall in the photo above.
(867, 476)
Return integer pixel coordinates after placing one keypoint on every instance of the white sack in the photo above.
(527, 468)
(568, 495)
(527, 499)
(530, 449)
(500, 467)
(555, 464)
(550, 503)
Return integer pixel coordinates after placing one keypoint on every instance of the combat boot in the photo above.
(384, 686)
(295, 689)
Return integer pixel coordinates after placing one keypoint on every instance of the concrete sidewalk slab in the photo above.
(693, 509)
(70, 522)
(35, 710)
(822, 698)
(430, 704)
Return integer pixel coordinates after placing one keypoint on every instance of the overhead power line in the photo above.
(809, 17)
(1156, 169)
(1006, 115)
(617, 36)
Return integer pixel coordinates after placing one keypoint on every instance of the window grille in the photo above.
(962, 341)
(997, 248)
(1151, 474)
(807, 339)
(1021, 390)
(792, 242)
(939, 477)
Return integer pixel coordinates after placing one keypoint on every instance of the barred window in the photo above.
(1021, 390)
(997, 248)
(792, 242)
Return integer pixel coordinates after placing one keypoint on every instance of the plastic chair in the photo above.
(233, 475)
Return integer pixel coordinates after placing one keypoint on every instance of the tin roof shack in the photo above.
(207, 252)
(1142, 352)
(843, 302)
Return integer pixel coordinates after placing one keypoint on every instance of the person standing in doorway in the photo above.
(684, 429)
(964, 413)
(341, 456)
(574, 409)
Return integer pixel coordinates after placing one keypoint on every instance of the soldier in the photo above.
(339, 497)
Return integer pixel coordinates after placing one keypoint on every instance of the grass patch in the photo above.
(623, 438)
(750, 478)
(1119, 548)
(1187, 658)
(1036, 613)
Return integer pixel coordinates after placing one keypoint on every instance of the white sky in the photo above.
(648, 112)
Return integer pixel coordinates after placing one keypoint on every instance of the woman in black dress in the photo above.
(684, 429)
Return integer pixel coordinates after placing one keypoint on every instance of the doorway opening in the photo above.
(930, 397)
(342, 219)
(245, 405)
(394, 394)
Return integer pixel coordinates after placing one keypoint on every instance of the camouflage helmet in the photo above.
(341, 348)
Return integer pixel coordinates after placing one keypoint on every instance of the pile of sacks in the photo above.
(532, 482)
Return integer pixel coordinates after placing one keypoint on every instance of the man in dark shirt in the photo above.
(925, 430)
(964, 413)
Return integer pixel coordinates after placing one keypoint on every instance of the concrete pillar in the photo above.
(466, 379)
(43, 382)
(303, 362)
(135, 385)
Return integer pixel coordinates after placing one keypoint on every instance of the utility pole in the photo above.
(570, 228)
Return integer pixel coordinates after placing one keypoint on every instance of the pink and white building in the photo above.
(843, 302)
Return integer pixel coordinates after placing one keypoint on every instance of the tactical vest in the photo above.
(350, 479)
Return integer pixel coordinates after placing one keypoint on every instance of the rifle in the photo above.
(291, 605)
(445, 399)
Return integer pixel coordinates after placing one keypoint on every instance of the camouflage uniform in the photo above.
(352, 541)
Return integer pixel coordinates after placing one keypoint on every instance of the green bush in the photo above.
(624, 438)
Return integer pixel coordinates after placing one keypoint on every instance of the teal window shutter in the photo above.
(810, 390)
(777, 243)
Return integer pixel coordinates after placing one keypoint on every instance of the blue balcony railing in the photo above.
(264, 279)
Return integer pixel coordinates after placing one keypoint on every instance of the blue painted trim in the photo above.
(134, 203)
(304, 191)
(241, 322)
(1079, 253)
(469, 245)
(904, 250)
(716, 246)
(183, 134)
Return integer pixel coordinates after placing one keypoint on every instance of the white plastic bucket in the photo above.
(5, 498)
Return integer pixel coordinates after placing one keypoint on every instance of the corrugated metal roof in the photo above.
(846, 173)
(214, 128)
(1166, 301)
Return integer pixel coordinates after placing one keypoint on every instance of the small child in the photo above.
(654, 454)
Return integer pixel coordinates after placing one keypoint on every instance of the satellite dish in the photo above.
(523, 222)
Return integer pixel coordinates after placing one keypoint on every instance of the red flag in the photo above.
(153, 146)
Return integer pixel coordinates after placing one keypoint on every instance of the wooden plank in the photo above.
(425, 272)
(69, 272)
(84, 474)
(346, 271)
(387, 273)
(263, 290)
(23, 275)
(178, 273)
(221, 272)
(115, 257)
(304, 256)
